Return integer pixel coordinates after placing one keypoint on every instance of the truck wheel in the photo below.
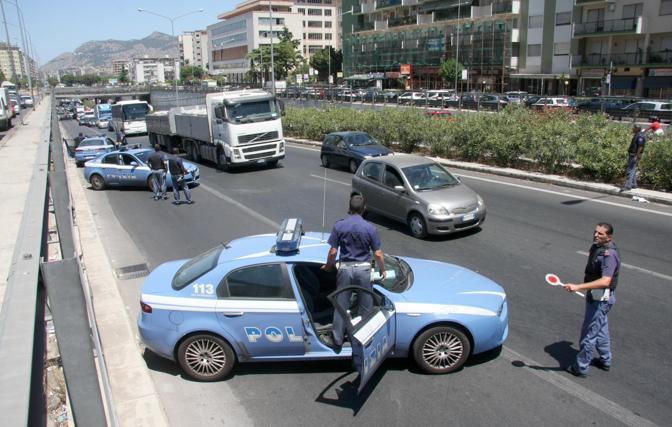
(272, 163)
(189, 149)
(222, 164)
(196, 155)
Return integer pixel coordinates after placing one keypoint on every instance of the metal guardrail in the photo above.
(22, 335)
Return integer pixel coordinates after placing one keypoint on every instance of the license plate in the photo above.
(468, 217)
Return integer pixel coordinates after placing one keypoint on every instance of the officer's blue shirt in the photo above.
(355, 238)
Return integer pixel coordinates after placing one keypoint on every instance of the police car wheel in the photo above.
(206, 357)
(150, 184)
(417, 225)
(441, 350)
(97, 182)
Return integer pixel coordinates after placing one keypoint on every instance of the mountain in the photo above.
(98, 55)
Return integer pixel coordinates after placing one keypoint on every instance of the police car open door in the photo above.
(369, 320)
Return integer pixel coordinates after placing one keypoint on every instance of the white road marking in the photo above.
(559, 193)
(302, 147)
(330, 180)
(569, 386)
(244, 208)
(640, 269)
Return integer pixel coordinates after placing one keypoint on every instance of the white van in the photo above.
(6, 113)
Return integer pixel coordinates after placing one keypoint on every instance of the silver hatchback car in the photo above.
(419, 192)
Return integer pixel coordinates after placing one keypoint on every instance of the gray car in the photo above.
(419, 192)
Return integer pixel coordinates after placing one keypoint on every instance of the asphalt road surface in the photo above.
(531, 229)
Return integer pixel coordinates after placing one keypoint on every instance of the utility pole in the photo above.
(270, 13)
(9, 45)
(26, 59)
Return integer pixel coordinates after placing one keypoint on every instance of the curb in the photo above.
(136, 401)
(650, 195)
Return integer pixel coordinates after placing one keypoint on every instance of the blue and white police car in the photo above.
(129, 168)
(91, 147)
(264, 298)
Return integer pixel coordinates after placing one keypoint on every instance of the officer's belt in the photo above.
(353, 263)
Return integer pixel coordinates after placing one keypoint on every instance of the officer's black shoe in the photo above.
(328, 339)
(599, 364)
(575, 371)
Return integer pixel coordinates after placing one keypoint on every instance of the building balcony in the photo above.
(401, 21)
(364, 26)
(662, 57)
(628, 26)
(605, 61)
(381, 4)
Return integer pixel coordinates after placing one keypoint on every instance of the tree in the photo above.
(286, 56)
(53, 81)
(320, 62)
(123, 75)
(191, 73)
(451, 70)
(2, 76)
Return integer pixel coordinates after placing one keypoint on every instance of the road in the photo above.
(532, 229)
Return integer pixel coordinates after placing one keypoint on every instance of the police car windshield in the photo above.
(143, 155)
(399, 274)
(196, 267)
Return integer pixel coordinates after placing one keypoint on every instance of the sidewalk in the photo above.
(136, 402)
(647, 195)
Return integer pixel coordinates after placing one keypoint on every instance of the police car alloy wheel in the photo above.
(441, 350)
(97, 182)
(205, 357)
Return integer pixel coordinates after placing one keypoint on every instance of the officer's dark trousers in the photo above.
(351, 275)
(595, 335)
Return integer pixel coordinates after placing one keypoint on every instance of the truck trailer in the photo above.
(232, 129)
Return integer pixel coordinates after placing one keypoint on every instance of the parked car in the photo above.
(348, 149)
(16, 108)
(129, 168)
(411, 98)
(419, 192)
(531, 100)
(88, 119)
(552, 102)
(92, 147)
(493, 101)
(266, 298)
(650, 106)
(516, 97)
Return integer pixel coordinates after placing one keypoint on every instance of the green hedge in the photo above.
(587, 146)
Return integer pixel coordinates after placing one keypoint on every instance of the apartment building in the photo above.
(194, 48)
(315, 23)
(623, 47)
(153, 70)
(13, 62)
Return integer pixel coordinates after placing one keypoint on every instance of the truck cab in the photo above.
(247, 125)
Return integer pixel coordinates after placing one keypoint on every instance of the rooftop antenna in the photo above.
(324, 200)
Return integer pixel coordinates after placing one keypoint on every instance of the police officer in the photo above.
(600, 280)
(157, 163)
(355, 238)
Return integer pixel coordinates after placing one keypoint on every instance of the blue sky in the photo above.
(58, 26)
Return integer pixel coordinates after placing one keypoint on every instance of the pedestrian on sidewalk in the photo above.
(157, 162)
(177, 173)
(635, 151)
(353, 239)
(600, 280)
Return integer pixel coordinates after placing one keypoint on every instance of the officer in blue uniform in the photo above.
(356, 239)
(600, 281)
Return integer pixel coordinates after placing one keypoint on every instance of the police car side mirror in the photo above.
(399, 188)
(134, 164)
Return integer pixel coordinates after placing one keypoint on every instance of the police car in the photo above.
(129, 168)
(91, 147)
(264, 298)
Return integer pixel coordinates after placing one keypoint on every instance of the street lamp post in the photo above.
(172, 33)
(329, 71)
(270, 21)
(9, 44)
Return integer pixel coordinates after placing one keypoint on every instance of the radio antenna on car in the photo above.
(324, 200)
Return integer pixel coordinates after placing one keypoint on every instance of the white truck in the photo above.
(232, 129)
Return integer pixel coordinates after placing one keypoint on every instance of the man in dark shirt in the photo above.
(177, 173)
(634, 155)
(600, 280)
(157, 163)
(355, 238)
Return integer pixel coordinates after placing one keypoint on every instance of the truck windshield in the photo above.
(252, 111)
(135, 111)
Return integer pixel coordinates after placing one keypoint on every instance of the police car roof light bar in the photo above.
(289, 236)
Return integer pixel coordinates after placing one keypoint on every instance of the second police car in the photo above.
(264, 298)
(129, 168)
(91, 147)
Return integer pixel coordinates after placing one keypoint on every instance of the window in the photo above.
(127, 159)
(314, 24)
(259, 281)
(372, 171)
(533, 50)
(314, 49)
(632, 11)
(302, 11)
(665, 7)
(267, 21)
(392, 177)
(561, 49)
(327, 12)
(196, 267)
(315, 12)
(563, 18)
(110, 160)
(314, 36)
(327, 36)
(536, 21)
(327, 24)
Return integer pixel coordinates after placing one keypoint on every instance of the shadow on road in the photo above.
(579, 201)
(561, 351)
(403, 229)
